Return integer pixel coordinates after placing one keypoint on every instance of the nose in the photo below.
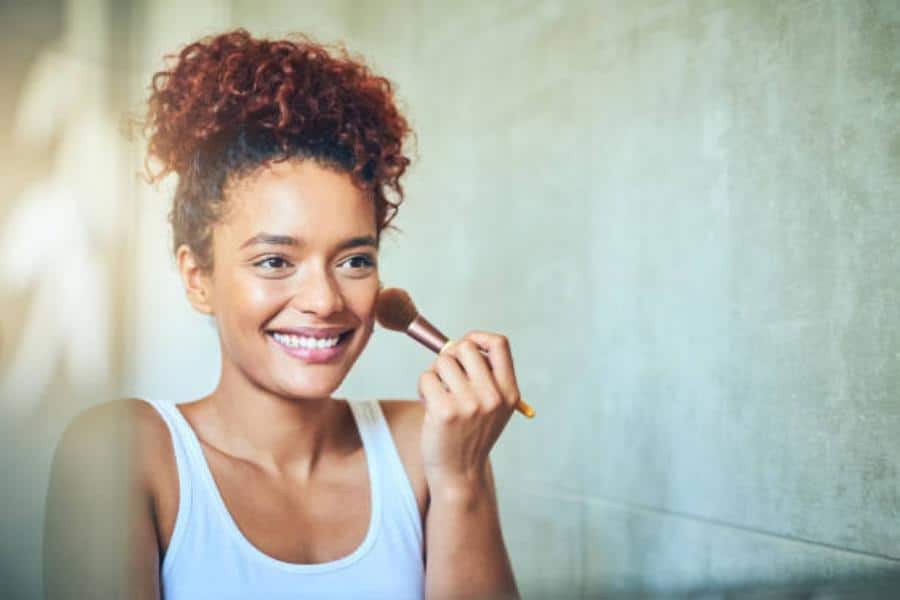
(319, 294)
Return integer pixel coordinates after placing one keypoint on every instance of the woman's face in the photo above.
(296, 249)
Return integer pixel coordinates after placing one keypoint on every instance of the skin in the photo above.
(271, 431)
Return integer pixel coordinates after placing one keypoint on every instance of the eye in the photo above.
(362, 261)
(274, 263)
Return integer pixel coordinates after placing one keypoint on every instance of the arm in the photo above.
(466, 554)
(99, 532)
(469, 395)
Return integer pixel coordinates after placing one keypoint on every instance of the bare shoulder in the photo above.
(99, 489)
(404, 414)
(126, 428)
(404, 418)
(114, 415)
(102, 426)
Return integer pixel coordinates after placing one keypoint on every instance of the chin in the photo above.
(309, 389)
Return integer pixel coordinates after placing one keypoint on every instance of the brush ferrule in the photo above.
(426, 334)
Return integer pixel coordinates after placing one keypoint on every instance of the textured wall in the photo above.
(684, 215)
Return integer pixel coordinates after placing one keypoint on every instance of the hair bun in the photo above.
(293, 88)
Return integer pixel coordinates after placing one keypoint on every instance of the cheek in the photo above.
(260, 296)
(363, 302)
(252, 300)
(360, 301)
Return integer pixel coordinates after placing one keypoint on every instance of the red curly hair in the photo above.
(231, 103)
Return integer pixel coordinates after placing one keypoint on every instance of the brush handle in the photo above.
(426, 334)
(431, 337)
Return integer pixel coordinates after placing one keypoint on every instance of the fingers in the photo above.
(478, 370)
(473, 374)
(499, 356)
(433, 393)
(457, 380)
(485, 390)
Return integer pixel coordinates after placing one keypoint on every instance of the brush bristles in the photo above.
(394, 309)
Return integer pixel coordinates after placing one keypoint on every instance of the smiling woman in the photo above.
(297, 250)
(288, 160)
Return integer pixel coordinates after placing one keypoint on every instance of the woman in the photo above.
(269, 487)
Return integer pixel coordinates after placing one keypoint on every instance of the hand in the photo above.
(469, 398)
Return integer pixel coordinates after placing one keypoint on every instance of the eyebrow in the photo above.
(287, 240)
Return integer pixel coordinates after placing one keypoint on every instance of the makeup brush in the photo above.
(395, 310)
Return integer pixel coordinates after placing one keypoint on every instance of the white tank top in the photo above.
(209, 557)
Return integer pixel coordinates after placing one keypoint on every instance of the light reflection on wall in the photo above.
(63, 241)
(58, 232)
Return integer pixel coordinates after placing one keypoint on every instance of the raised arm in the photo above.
(99, 534)
(466, 556)
(469, 398)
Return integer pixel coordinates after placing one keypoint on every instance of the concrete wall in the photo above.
(683, 214)
(685, 217)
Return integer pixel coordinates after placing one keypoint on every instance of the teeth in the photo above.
(295, 341)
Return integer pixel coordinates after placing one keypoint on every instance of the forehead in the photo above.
(300, 198)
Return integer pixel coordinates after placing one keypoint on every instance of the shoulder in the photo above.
(97, 491)
(103, 426)
(403, 413)
(113, 415)
(404, 418)
(126, 431)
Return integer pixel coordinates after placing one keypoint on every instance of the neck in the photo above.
(283, 435)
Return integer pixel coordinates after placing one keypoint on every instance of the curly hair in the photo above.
(231, 103)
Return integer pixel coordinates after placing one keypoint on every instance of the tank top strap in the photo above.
(373, 424)
(394, 501)
(183, 462)
(216, 560)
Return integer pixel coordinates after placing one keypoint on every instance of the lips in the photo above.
(314, 355)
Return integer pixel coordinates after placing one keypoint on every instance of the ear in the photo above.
(196, 281)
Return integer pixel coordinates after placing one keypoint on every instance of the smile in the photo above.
(311, 349)
(295, 341)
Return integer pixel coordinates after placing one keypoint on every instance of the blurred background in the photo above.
(685, 215)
